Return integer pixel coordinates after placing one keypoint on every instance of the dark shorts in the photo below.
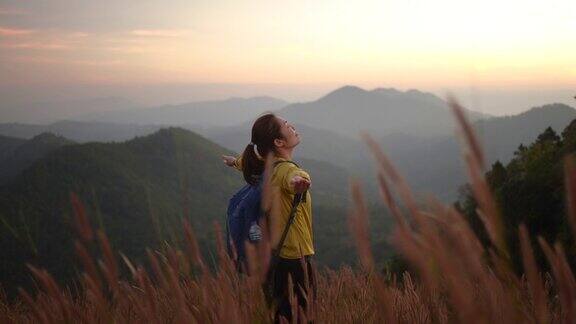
(302, 272)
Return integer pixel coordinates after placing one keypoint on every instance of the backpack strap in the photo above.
(268, 284)
(285, 161)
(295, 203)
(299, 197)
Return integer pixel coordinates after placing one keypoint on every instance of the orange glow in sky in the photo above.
(414, 43)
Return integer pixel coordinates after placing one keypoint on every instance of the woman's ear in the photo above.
(279, 143)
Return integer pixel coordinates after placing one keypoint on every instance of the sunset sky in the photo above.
(431, 45)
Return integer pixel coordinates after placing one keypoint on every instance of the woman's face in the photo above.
(291, 137)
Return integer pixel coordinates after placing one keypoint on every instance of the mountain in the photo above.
(27, 152)
(204, 114)
(431, 164)
(49, 112)
(8, 144)
(21, 130)
(80, 131)
(137, 191)
(350, 110)
(435, 165)
(503, 135)
(123, 125)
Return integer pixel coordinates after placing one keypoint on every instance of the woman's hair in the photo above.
(264, 131)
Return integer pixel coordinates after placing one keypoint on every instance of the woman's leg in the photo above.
(281, 274)
(302, 282)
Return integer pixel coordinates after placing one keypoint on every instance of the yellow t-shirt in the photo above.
(299, 240)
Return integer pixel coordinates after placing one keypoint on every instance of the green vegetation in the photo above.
(8, 144)
(16, 154)
(137, 191)
(530, 190)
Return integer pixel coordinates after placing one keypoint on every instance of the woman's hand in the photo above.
(300, 184)
(228, 160)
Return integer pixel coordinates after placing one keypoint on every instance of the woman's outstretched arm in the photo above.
(232, 161)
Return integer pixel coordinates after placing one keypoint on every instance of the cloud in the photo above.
(159, 32)
(40, 46)
(15, 32)
(79, 35)
(62, 61)
(130, 49)
(34, 59)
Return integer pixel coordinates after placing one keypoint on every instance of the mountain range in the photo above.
(139, 180)
(46, 112)
(79, 131)
(350, 110)
(202, 114)
(415, 129)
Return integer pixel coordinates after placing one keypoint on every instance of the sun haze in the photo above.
(436, 45)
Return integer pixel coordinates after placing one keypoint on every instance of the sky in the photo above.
(499, 56)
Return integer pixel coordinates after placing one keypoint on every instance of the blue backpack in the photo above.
(244, 213)
(243, 218)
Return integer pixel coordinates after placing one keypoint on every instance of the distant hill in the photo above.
(436, 166)
(350, 109)
(204, 114)
(80, 131)
(122, 125)
(430, 158)
(52, 111)
(431, 164)
(21, 130)
(345, 112)
(8, 144)
(27, 152)
(503, 135)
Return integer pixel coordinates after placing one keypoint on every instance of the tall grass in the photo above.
(458, 279)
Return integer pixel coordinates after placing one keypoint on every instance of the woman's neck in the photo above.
(284, 154)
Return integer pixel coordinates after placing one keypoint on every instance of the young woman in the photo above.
(276, 138)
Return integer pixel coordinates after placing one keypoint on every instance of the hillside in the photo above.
(137, 191)
(530, 189)
(8, 144)
(21, 156)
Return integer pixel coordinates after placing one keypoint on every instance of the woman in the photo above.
(274, 137)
